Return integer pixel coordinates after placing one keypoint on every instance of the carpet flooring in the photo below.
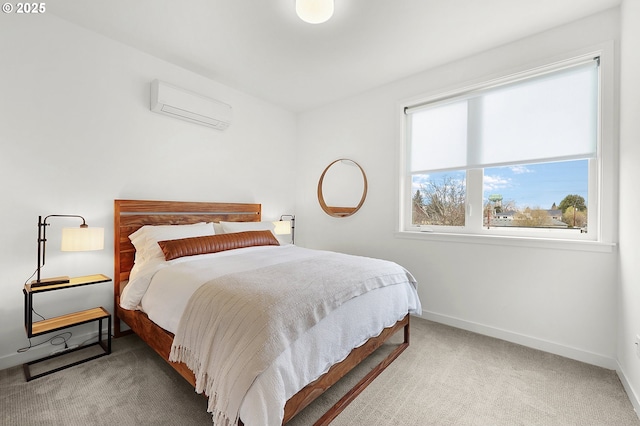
(446, 377)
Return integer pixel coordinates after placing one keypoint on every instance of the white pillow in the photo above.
(230, 227)
(145, 239)
(218, 228)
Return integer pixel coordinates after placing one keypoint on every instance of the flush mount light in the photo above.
(314, 11)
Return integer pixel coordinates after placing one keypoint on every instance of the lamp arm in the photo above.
(84, 222)
(42, 237)
(293, 229)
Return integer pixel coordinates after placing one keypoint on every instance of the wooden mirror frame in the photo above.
(336, 211)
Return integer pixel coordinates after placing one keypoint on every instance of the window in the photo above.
(518, 156)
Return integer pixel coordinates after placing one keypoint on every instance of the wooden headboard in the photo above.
(130, 215)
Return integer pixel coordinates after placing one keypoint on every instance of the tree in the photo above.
(574, 217)
(419, 216)
(573, 200)
(440, 203)
(532, 218)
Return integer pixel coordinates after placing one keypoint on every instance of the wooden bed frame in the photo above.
(130, 215)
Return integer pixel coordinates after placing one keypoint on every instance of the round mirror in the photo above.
(342, 188)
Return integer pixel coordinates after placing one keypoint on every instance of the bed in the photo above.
(148, 319)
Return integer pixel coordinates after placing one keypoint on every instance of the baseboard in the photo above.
(37, 352)
(524, 340)
(633, 396)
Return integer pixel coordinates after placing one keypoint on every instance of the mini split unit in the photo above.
(189, 106)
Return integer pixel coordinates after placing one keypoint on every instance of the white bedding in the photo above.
(165, 298)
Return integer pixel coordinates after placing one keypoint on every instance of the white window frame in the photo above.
(603, 199)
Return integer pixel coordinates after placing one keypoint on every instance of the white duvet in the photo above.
(163, 289)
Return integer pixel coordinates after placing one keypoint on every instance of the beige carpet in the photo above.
(446, 377)
(453, 377)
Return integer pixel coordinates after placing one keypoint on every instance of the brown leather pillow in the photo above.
(174, 249)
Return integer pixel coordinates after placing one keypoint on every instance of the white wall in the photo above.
(76, 133)
(562, 301)
(629, 292)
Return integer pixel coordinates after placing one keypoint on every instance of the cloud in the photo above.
(520, 170)
(457, 178)
(417, 181)
(493, 183)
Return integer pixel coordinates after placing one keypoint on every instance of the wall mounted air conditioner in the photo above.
(185, 105)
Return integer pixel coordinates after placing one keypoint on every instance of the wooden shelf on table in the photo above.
(68, 320)
(73, 282)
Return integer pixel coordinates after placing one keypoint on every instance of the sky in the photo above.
(538, 185)
(530, 185)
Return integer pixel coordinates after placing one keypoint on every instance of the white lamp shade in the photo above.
(283, 227)
(82, 239)
(314, 11)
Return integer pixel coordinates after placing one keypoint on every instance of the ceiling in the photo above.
(260, 47)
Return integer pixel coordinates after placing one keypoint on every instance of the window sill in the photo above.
(507, 241)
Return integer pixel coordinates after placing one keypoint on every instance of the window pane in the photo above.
(438, 198)
(544, 195)
(439, 137)
(548, 118)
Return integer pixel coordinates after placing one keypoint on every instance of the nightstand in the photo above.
(98, 314)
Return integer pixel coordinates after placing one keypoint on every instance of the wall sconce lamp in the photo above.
(285, 226)
(314, 11)
(82, 238)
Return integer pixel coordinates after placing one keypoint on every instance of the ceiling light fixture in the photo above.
(314, 11)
